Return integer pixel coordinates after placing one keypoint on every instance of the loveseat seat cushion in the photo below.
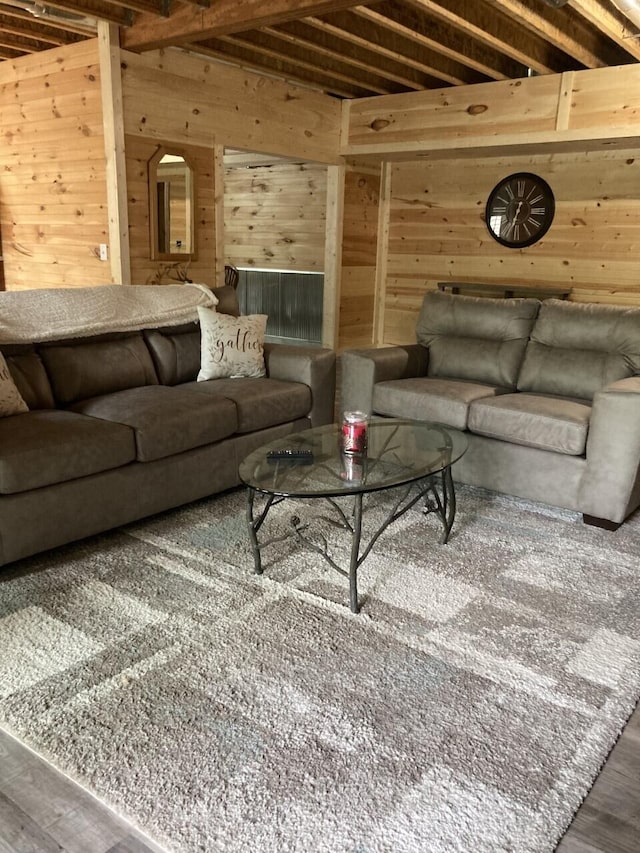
(260, 402)
(53, 446)
(445, 401)
(165, 420)
(476, 339)
(578, 348)
(550, 423)
(81, 369)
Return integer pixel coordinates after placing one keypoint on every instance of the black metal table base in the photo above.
(438, 497)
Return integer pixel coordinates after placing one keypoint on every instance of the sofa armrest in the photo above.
(315, 367)
(610, 488)
(361, 369)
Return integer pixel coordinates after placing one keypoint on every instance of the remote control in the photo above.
(302, 456)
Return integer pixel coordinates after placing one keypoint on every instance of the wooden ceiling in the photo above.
(347, 49)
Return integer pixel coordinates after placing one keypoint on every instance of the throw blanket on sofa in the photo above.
(53, 314)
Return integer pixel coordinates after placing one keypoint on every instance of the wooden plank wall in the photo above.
(576, 111)
(274, 216)
(171, 96)
(359, 256)
(53, 210)
(447, 149)
(437, 231)
(459, 116)
(139, 151)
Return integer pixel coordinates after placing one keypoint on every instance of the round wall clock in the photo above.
(519, 210)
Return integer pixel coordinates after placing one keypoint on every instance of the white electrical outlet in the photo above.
(104, 252)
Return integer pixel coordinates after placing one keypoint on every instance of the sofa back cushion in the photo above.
(578, 348)
(477, 339)
(87, 367)
(29, 375)
(176, 349)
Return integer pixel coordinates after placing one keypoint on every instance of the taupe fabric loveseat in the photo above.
(118, 428)
(547, 392)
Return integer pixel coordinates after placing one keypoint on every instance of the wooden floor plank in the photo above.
(20, 833)
(609, 819)
(13, 758)
(42, 810)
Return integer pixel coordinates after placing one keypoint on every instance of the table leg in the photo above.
(356, 535)
(444, 505)
(449, 500)
(253, 538)
(254, 523)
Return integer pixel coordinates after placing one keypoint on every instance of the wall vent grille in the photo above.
(291, 300)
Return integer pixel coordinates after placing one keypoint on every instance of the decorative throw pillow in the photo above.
(11, 402)
(231, 346)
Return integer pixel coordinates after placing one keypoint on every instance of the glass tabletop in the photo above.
(398, 452)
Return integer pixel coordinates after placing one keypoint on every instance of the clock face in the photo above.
(520, 210)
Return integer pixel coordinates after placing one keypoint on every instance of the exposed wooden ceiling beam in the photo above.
(434, 35)
(157, 7)
(487, 25)
(291, 34)
(8, 53)
(454, 66)
(250, 58)
(268, 42)
(97, 9)
(188, 23)
(565, 30)
(29, 42)
(365, 58)
(611, 22)
(26, 27)
(339, 26)
(363, 29)
(44, 25)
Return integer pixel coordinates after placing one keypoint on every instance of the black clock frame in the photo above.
(547, 216)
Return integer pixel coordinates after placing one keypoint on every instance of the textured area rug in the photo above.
(468, 707)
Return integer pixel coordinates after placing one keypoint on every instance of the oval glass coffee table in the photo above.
(413, 458)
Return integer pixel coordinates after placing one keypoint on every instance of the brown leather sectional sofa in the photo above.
(118, 429)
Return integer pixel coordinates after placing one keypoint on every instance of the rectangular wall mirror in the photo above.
(171, 206)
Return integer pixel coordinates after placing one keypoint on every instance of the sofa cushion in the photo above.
(227, 297)
(260, 403)
(476, 339)
(11, 401)
(445, 401)
(578, 348)
(175, 352)
(550, 423)
(49, 446)
(28, 373)
(81, 368)
(166, 421)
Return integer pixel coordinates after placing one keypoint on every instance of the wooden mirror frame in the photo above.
(154, 202)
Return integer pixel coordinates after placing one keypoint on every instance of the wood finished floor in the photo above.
(42, 811)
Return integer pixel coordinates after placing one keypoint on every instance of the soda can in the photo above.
(354, 432)
(352, 469)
